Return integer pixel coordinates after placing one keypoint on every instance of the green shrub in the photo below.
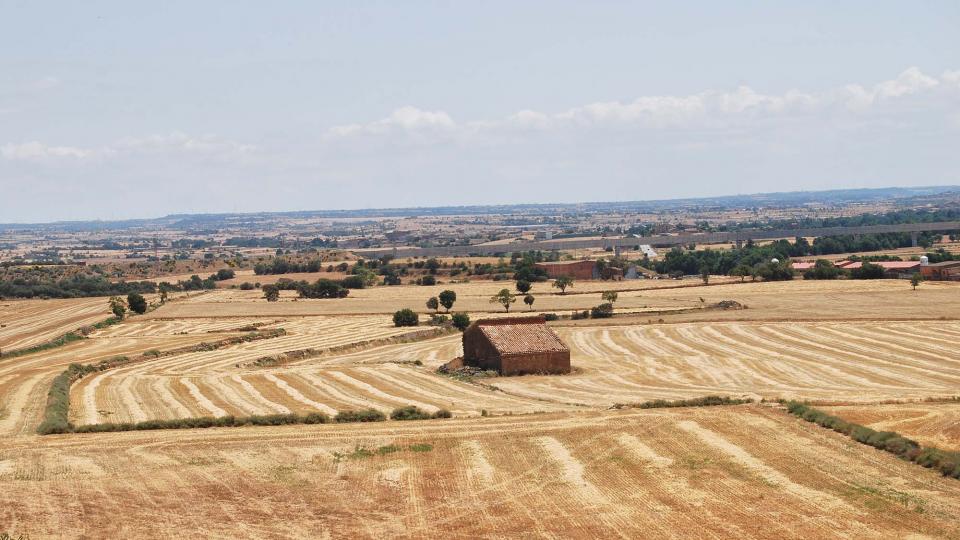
(405, 317)
(460, 321)
(442, 413)
(947, 463)
(603, 311)
(369, 415)
(409, 412)
(551, 317)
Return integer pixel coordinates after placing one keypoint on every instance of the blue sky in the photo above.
(124, 109)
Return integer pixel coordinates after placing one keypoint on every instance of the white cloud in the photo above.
(405, 119)
(36, 151)
(171, 144)
(708, 108)
(177, 142)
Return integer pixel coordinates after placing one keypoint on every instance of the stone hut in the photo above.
(515, 346)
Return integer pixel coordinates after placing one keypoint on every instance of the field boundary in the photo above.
(56, 416)
(61, 340)
(943, 461)
(286, 357)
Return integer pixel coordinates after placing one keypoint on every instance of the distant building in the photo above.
(942, 271)
(574, 269)
(515, 346)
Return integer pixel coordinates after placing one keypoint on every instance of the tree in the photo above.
(523, 286)
(741, 271)
(163, 297)
(433, 303)
(405, 317)
(609, 296)
(271, 293)
(528, 300)
(562, 283)
(460, 321)
(118, 307)
(705, 274)
(915, 280)
(603, 311)
(447, 299)
(137, 303)
(504, 298)
(823, 269)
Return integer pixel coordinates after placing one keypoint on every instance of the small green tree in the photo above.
(433, 304)
(504, 298)
(528, 300)
(523, 286)
(705, 274)
(562, 283)
(118, 307)
(741, 271)
(271, 293)
(915, 280)
(405, 317)
(137, 303)
(609, 296)
(447, 299)
(460, 321)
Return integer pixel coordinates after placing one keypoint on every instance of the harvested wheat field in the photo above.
(867, 361)
(933, 424)
(523, 456)
(26, 323)
(746, 472)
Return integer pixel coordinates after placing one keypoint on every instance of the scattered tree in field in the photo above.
(137, 303)
(742, 271)
(915, 280)
(163, 297)
(528, 300)
(523, 286)
(460, 321)
(447, 299)
(609, 296)
(433, 304)
(118, 307)
(705, 275)
(562, 283)
(271, 293)
(405, 317)
(504, 298)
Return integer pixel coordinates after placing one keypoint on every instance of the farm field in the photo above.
(746, 472)
(26, 323)
(934, 424)
(614, 364)
(551, 459)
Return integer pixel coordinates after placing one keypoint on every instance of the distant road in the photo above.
(736, 237)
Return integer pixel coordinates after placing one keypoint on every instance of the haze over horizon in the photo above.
(112, 110)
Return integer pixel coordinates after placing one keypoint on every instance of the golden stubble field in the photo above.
(552, 460)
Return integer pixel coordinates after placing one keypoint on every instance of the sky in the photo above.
(112, 110)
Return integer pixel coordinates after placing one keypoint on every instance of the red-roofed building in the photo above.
(515, 346)
(576, 269)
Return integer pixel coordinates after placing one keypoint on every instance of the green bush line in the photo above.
(60, 341)
(946, 462)
(706, 401)
(343, 417)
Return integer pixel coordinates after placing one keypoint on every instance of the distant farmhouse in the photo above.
(515, 346)
(582, 270)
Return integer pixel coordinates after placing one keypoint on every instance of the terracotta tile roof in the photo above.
(886, 265)
(522, 338)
